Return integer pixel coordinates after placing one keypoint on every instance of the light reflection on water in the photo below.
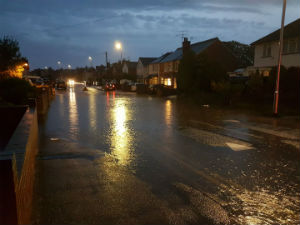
(121, 135)
(92, 110)
(73, 112)
(265, 207)
(168, 112)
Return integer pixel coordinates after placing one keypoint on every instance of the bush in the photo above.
(15, 90)
(255, 85)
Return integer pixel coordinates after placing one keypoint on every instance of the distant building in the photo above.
(129, 67)
(267, 49)
(142, 69)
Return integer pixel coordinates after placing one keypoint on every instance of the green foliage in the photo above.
(244, 53)
(15, 90)
(221, 87)
(208, 71)
(255, 85)
(196, 73)
(9, 53)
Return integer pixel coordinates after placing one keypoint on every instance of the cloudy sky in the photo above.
(70, 31)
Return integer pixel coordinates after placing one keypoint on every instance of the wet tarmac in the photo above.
(119, 158)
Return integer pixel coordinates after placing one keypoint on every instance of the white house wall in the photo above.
(288, 60)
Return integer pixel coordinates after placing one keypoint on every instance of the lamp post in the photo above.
(276, 93)
(118, 47)
(58, 64)
(69, 66)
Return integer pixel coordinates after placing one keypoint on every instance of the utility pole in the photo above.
(276, 93)
(106, 60)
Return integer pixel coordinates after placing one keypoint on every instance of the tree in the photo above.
(10, 55)
(208, 71)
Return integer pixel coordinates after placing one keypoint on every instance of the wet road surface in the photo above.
(118, 158)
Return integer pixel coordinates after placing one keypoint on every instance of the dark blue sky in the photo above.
(70, 31)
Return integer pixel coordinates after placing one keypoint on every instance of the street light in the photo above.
(118, 47)
(90, 60)
(58, 64)
(69, 66)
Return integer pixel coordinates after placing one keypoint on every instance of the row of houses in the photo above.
(163, 69)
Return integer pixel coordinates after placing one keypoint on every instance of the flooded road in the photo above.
(119, 158)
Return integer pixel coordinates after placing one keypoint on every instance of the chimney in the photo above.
(185, 45)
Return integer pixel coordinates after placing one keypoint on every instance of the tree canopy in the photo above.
(10, 54)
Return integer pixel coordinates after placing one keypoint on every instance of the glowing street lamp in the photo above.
(118, 47)
(69, 66)
(90, 60)
(58, 64)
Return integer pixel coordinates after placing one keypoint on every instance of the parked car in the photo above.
(61, 85)
(110, 87)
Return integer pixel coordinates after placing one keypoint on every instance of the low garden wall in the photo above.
(17, 171)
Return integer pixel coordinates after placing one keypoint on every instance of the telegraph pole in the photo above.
(276, 93)
(106, 59)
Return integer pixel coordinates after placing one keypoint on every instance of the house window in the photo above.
(285, 47)
(166, 67)
(168, 82)
(267, 51)
(176, 67)
(292, 46)
(169, 66)
(266, 73)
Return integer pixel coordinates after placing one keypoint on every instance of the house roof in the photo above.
(196, 47)
(146, 60)
(161, 58)
(290, 31)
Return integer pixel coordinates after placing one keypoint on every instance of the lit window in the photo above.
(266, 73)
(168, 82)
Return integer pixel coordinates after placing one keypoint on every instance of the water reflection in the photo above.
(73, 113)
(92, 110)
(107, 98)
(121, 136)
(168, 112)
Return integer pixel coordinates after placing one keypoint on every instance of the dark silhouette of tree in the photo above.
(10, 54)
